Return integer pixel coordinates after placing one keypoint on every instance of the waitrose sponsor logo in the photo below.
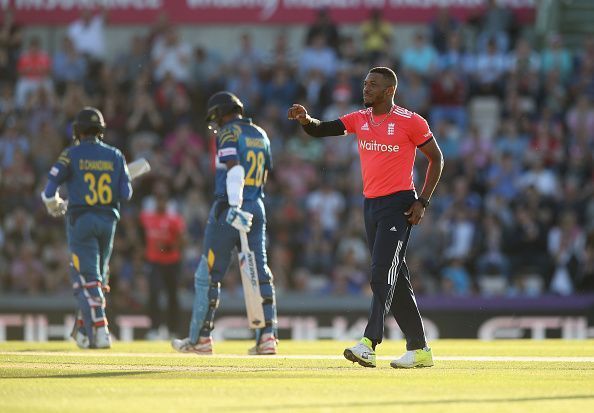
(377, 147)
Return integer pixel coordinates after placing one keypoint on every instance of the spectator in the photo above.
(26, 272)
(88, 34)
(580, 119)
(314, 89)
(164, 239)
(458, 234)
(205, 69)
(34, 71)
(557, 58)
(455, 279)
(133, 60)
(414, 93)
(420, 56)
(502, 177)
(454, 56)
(377, 36)
(318, 56)
(585, 278)
(496, 23)
(510, 141)
(305, 147)
(17, 183)
(173, 102)
(281, 89)
(246, 84)
(11, 141)
(183, 141)
(490, 245)
(566, 244)
(325, 27)
(442, 26)
(69, 65)
(170, 55)
(327, 204)
(525, 244)
(448, 95)
(489, 68)
(143, 124)
(524, 68)
(249, 57)
(282, 54)
(10, 45)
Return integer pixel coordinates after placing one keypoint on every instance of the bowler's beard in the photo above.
(367, 104)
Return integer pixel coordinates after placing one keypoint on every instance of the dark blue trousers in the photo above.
(90, 240)
(387, 235)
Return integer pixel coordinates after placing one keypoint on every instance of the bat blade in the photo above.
(138, 167)
(251, 289)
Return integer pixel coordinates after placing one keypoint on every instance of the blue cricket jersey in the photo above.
(96, 176)
(247, 143)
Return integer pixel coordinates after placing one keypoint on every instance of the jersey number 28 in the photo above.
(255, 174)
(100, 189)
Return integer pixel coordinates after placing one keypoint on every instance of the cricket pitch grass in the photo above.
(468, 376)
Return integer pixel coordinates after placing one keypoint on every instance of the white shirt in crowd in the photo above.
(89, 39)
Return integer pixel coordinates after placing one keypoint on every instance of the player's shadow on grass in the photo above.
(94, 375)
(427, 402)
(50, 350)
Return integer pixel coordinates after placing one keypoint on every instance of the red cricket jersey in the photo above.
(387, 148)
(162, 233)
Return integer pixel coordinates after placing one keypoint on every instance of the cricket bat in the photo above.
(138, 167)
(251, 286)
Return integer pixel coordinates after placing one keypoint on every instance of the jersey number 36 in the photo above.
(100, 189)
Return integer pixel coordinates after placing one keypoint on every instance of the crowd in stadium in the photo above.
(513, 113)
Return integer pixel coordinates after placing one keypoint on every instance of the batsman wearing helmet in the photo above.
(97, 179)
(242, 162)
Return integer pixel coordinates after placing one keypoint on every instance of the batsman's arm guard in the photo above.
(235, 182)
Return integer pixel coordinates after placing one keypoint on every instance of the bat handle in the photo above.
(244, 241)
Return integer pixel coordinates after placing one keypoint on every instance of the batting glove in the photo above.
(239, 219)
(55, 205)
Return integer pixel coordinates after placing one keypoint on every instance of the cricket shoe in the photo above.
(414, 358)
(361, 353)
(202, 347)
(102, 338)
(266, 346)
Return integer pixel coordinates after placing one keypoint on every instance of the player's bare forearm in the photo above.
(433, 153)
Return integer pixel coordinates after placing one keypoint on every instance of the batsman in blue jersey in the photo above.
(243, 161)
(97, 179)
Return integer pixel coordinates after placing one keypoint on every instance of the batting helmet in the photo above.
(89, 121)
(221, 104)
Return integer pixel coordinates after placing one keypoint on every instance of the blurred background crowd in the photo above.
(514, 115)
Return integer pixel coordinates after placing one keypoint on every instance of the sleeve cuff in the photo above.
(425, 143)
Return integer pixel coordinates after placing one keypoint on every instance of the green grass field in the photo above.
(469, 376)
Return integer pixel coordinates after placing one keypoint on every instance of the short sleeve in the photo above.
(419, 133)
(350, 122)
(61, 169)
(227, 144)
